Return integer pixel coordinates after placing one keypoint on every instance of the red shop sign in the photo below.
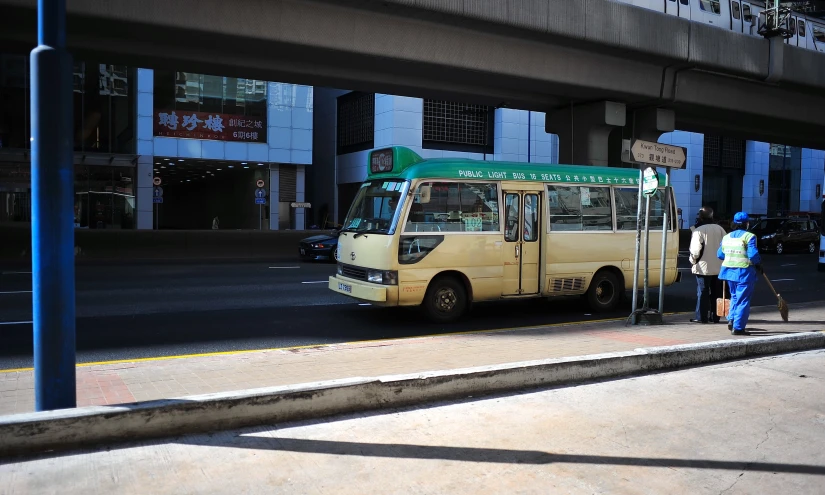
(205, 125)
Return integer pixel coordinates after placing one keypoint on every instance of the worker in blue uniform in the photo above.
(741, 265)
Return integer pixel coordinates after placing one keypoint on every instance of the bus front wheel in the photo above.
(446, 300)
(604, 293)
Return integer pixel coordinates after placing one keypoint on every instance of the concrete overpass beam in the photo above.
(651, 123)
(583, 131)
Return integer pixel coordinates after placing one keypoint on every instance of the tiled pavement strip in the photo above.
(142, 380)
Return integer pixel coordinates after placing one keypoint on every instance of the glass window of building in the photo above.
(104, 124)
(784, 179)
(356, 122)
(458, 126)
(199, 106)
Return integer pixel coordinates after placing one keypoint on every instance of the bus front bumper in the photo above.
(358, 290)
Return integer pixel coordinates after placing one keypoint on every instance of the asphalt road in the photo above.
(126, 312)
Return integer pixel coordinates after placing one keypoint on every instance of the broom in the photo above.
(781, 304)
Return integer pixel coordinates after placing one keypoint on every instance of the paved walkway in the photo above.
(123, 382)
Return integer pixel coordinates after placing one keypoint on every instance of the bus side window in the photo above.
(455, 207)
(531, 220)
(579, 208)
(802, 32)
(511, 207)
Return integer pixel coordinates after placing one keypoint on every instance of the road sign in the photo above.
(157, 192)
(260, 193)
(260, 201)
(650, 182)
(157, 200)
(300, 205)
(156, 181)
(660, 155)
(260, 183)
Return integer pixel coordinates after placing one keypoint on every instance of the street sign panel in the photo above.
(156, 181)
(650, 182)
(260, 201)
(300, 205)
(157, 192)
(660, 155)
(260, 183)
(157, 200)
(260, 193)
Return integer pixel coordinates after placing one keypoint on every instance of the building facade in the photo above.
(167, 149)
(727, 174)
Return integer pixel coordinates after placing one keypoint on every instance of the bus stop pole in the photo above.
(646, 302)
(52, 179)
(634, 317)
(665, 230)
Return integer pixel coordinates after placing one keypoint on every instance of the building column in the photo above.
(755, 182)
(651, 123)
(300, 197)
(144, 215)
(688, 182)
(274, 196)
(584, 130)
(813, 162)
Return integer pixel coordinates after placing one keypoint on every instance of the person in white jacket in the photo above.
(704, 241)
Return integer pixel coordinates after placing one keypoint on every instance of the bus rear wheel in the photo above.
(604, 293)
(446, 300)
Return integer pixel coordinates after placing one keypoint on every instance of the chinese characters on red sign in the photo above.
(214, 126)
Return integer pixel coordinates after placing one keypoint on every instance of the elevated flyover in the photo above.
(544, 55)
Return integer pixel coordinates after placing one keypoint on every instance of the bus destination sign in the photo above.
(381, 161)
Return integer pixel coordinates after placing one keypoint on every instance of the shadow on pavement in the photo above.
(491, 455)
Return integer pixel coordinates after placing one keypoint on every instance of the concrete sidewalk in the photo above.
(746, 427)
(151, 379)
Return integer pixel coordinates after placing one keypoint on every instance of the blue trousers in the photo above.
(740, 303)
(708, 288)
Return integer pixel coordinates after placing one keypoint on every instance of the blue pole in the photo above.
(53, 297)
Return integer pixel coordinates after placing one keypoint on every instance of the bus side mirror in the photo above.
(424, 193)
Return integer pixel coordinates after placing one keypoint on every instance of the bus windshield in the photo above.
(376, 207)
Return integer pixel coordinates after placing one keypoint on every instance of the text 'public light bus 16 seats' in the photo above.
(444, 233)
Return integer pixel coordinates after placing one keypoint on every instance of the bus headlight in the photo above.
(384, 277)
(340, 269)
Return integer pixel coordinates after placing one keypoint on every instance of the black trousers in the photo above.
(708, 289)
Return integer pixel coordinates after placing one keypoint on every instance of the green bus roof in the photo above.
(402, 163)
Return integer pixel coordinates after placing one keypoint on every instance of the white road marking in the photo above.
(17, 292)
(318, 282)
(782, 280)
(284, 267)
(15, 322)
(365, 304)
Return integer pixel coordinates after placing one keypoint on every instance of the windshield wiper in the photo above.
(370, 231)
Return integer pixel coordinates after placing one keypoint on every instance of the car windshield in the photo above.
(769, 224)
(376, 207)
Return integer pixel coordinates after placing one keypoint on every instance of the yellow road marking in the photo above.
(311, 346)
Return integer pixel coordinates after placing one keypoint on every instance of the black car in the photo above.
(319, 247)
(780, 235)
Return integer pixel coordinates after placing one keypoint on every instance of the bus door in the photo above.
(522, 242)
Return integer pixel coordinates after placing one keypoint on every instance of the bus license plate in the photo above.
(344, 287)
(303, 252)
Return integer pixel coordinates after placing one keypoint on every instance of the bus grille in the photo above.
(354, 272)
(567, 284)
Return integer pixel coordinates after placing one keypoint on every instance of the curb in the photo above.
(32, 433)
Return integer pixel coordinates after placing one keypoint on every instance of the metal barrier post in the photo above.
(53, 272)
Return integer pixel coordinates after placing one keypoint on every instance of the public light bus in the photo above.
(445, 233)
